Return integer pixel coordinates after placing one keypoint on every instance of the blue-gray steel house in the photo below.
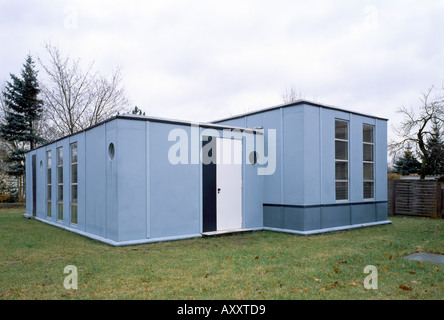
(115, 181)
(331, 170)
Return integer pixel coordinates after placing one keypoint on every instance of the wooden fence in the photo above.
(421, 198)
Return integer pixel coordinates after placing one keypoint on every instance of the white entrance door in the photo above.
(229, 184)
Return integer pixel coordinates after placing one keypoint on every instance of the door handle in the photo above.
(218, 190)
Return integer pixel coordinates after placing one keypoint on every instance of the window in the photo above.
(60, 183)
(253, 157)
(48, 183)
(341, 159)
(368, 157)
(74, 183)
(111, 151)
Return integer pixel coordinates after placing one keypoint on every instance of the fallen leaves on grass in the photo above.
(405, 287)
(353, 284)
(332, 285)
(315, 279)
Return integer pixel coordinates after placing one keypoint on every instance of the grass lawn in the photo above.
(257, 265)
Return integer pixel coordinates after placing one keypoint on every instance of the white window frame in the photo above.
(48, 184)
(59, 149)
(71, 203)
(372, 144)
(341, 160)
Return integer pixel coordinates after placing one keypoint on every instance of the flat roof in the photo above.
(209, 125)
(212, 124)
(296, 103)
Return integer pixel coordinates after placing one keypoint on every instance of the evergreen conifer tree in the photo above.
(435, 148)
(138, 111)
(407, 164)
(23, 108)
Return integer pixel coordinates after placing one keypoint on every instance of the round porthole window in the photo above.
(111, 151)
(253, 157)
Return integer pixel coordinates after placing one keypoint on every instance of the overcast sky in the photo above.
(205, 60)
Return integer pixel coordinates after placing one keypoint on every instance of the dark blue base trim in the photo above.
(316, 217)
(320, 205)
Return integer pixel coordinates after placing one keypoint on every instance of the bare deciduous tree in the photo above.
(77, 99)
(416, 128)
(291, 94)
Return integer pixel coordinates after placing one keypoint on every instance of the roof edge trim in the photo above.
(295, 103)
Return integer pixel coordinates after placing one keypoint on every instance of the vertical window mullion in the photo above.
(60, 183)
(341, 160)
(74, 190)
(48, 183)
(368, 147)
